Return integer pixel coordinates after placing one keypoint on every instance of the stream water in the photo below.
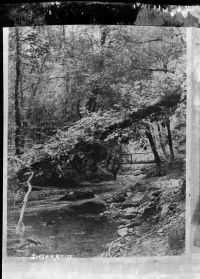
(61, 232)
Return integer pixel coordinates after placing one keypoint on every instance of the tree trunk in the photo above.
(66, 85)
(161, 142)
(153, 147)
(17, 83)
(20, 225)
(170, 140)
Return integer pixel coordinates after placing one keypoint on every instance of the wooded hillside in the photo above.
(78, 92)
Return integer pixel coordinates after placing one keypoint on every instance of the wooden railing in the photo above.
(137, 158)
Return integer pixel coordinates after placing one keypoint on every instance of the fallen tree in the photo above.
(167, 101)
(84, 143)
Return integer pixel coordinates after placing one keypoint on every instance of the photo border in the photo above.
(155, 265)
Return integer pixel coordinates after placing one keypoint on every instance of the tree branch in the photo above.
(154, 70)
(142, 42)
(116, 240)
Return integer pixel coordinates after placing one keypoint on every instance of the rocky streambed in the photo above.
(64, 221)
(127, 217)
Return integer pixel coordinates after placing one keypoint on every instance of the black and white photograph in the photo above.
(96, 147)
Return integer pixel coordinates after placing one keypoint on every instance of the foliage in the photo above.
(84, 90)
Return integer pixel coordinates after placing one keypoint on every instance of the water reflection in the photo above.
(63, 233)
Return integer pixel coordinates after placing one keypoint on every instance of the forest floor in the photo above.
(150, 215)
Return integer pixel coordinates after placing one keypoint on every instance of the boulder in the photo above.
(92, 206)
(138, 186)
(118, 198)
(77, 195)
(134, 200)
(122, 231)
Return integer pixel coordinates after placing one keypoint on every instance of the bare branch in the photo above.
(153, 70)
(142, 42)
(20, 226)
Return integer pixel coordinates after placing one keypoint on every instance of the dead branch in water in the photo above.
(20, 225)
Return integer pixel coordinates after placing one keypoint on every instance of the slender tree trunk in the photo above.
(17, 83)
(20, 225)
(161, 141)
(21, 91)
(66, 88)
(23, 130)
(35, 88)
(170, 140)
(153, 147)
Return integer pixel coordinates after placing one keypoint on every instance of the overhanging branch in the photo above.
(168, 101)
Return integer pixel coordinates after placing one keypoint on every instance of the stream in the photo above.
(62, 232)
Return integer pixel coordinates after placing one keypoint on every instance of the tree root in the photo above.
(20, 225)
(116, 240)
